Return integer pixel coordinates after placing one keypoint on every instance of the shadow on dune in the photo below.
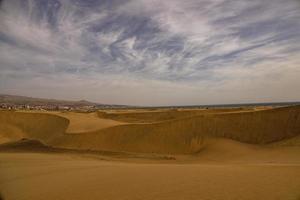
(1, 197)
(34, 146)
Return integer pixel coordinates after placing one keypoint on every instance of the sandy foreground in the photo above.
(63, 176)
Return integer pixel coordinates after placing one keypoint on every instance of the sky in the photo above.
(151, 52)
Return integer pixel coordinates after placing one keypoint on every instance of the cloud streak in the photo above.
(127, 52)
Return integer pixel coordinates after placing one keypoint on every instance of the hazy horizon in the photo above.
(151, 53)
(167, 105)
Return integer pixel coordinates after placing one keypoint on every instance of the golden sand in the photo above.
(221, 154)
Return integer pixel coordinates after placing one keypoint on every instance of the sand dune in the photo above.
(202, 154)
(44, 127)
(151, 116)
(188, 134)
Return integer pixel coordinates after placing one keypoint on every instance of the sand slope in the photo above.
(86, 122)
(51, 176)
(44, 127)
(188, 134)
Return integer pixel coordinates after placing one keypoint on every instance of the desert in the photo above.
(149, 100)
(228, 153)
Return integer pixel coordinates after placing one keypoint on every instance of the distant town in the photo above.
(9, 106)
(13, 102)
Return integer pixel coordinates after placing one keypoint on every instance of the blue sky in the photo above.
(151, 52)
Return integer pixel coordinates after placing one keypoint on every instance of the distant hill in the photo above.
(22, 100)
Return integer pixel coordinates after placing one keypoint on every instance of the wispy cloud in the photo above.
(179, 52)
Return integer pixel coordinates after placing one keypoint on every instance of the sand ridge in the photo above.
(188, 135)
(184, 134)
